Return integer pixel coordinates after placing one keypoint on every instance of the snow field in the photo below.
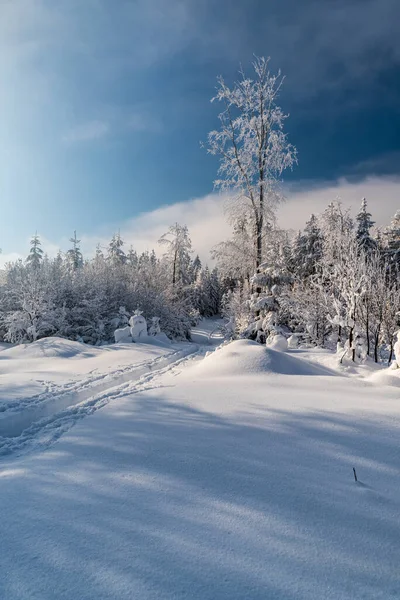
(223, 478)
(26, 422)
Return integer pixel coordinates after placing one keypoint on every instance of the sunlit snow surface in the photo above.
(219, 476)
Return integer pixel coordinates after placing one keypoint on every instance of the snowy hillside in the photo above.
(228, 476)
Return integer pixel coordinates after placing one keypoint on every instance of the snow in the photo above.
(278, 342)
(208, 331)
(138, 326)
(123, 334)
(49, 348)
(244, 357)
(217, 477)
(49, 384)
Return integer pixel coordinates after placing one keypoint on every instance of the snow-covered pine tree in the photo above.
(35, 255)
(74, 254)
(311, 247)
(99, 256)
(392, 242)
(115, 253)
(364, 223)
(215, 292)
(132, 257)
(296, 254)
(195, 268)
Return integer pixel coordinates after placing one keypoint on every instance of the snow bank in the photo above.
(386, 377)
(50, 347)
(247, 357)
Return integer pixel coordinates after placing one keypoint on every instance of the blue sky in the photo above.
(104, 103)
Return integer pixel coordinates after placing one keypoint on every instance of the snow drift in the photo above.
(50, 347)
(243, 357)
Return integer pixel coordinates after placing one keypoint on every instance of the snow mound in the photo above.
(278, 342)
(243, 357)
(386, 377)
(50, 347)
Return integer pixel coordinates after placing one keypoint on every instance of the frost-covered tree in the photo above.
(336, 227)
(235, 306)
(207, 292)
(177, 255)
(392, 242)
(307, 305)
(132, 257)
(235, 257)
(309, 251)
(391, 315)
(346, 278)
(35, 255)
(253, 148)
(115, 253)
(364, 224)
(74, 254)
(195, 268)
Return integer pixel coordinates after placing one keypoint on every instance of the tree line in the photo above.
(87, 299)
(335, 282)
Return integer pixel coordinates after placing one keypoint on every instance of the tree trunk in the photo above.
(259, 225)
(377, 332)
(351, 339)
(174, 268)
(258, 255)
(391, 350)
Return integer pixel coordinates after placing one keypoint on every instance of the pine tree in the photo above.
(115, 253)
(195, 268)
(35, 255)
(364, 223)
(74, 254)
(296, 254)
(311, 247)
(99, 256)
(392, 238)
(215, 292)
(132, 257)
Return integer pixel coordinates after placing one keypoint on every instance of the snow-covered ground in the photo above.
(226, 475)
(48, 385)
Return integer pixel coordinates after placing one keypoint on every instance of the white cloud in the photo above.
(87, 132)
(203, 216)
(382, 194)
(9, 257)
(208, 225)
